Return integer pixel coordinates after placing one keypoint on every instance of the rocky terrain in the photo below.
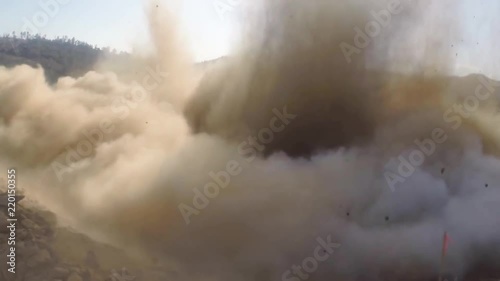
(46, 251)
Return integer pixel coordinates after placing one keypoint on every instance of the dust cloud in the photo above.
(308, 130)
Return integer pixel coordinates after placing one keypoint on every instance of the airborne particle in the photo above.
(442, 171)
(386, 218)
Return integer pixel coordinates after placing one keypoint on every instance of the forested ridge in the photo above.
(62, 56)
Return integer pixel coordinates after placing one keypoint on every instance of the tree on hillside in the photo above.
(59, 57)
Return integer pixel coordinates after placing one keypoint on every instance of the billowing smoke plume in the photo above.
(332, 144)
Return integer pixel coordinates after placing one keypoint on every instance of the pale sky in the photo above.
(122, 23)
(481, 43)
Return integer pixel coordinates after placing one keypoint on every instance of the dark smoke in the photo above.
(324, 175)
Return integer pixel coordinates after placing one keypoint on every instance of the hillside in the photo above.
(48, 251)
(65, 56)
(59, 57)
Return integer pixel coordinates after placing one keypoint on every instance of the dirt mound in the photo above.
(46, 251)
